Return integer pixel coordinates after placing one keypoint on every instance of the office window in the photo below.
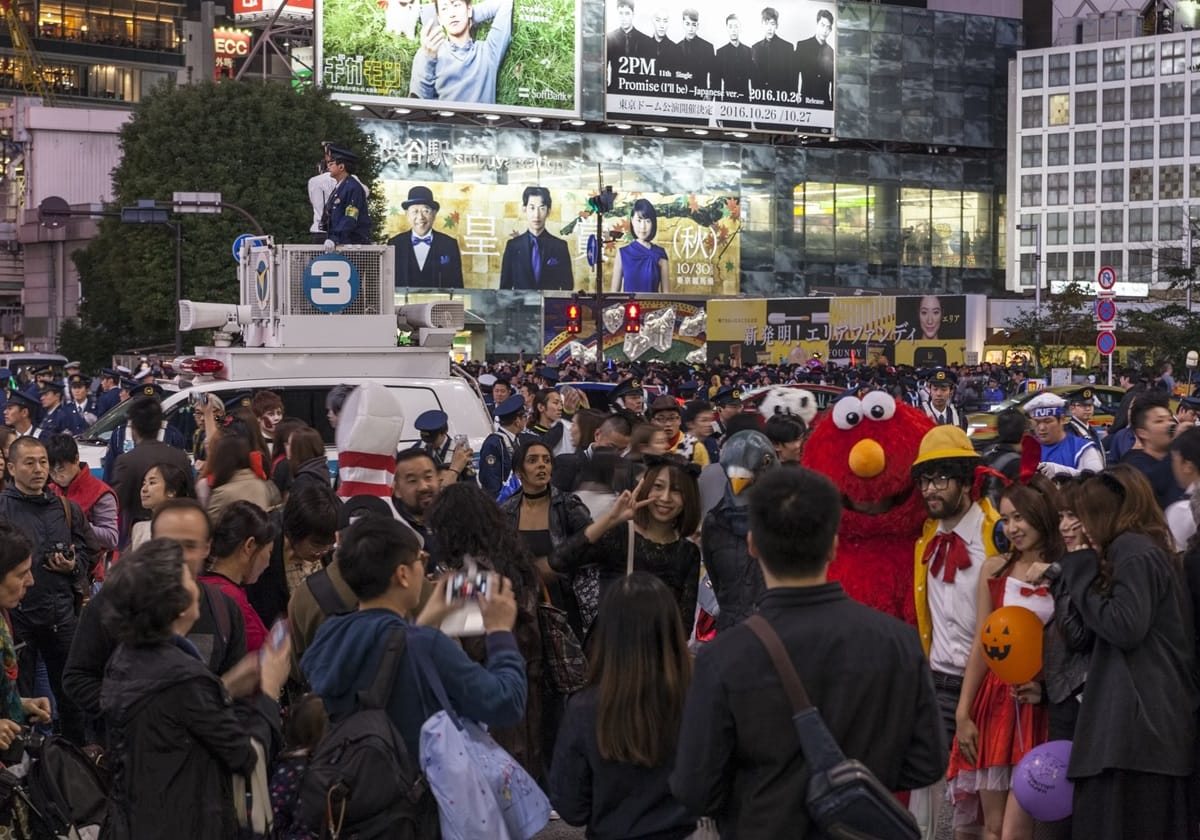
(1085, 147)
(1112, 186)
(1056, 228)
(1060, 70)
(1031, 190)
(1112, 225)
(1141, 61)
(1141, 142)
(1031, 150)
(1194, 181)
(1171, 99)
(1031, 112)
(1114, 105)
(1172, 59)
(1170, 140)
(1085, 107)
(1029, 221)
(1056, 268)
(1085, 67)
(1058, 149)
(1058, 190)
(1141, 102)
(1083, 267)
(1141, 183)
(1112, 146)
(1170, 182)
(1060, 109)
(1196, 97)
(1085, 187)
(1114, 64)
(1170, 223)
(1141, 224)
(1141, 266)
(1028, 261)
(1085, 227)
(1031, 72)
(1194, 144)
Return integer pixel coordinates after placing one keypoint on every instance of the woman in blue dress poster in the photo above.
(642, 266)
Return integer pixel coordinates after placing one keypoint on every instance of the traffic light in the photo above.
(574, 318)
(603, 201)
(633, 317)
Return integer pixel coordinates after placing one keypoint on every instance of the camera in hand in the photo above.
(65, 549)
(27, 740)
(465, 585)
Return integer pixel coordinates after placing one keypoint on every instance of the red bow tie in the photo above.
(945, 555)
(1028, 591)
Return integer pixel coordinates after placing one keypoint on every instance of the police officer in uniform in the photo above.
(56, 416)
(121, 439)
(349, 222)
(939, 408)
(496, 454)
(110, 390)
(628, 396)
(1186, 414)
(436, 442)
(82, 400)
(21, 413)
(728, 404)
(1081, 405)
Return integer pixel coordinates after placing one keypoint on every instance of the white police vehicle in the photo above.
(308, 321)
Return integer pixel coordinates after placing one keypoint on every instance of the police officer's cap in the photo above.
(21, 400)
(70, 365)
(110, 373)
(43, 371)
(342, 154)
(487, 380)
(128, 384)
(1080, 395)
(550, 374)
(687, 388)
(53, 385)
(626, 386)
(511, 407)
(728, 395)
(148, 389)
(942, 377)
(431, 421)
(1190, 403)
(78, 380)
(239, 401)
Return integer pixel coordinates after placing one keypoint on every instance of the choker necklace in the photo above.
(541, 495)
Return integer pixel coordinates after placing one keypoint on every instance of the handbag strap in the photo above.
(629, 552)
(427, 670)
(376, 697)
(792, 685)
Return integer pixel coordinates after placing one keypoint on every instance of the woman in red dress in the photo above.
(998, 723)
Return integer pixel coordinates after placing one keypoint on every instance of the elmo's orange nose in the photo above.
(867, 459)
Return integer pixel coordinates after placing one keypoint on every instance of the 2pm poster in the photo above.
(496, 56)
(713, 64)
(479, 236)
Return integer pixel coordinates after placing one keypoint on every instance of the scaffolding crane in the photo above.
(28, 61)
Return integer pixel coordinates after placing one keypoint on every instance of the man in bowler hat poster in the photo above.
(425, 259)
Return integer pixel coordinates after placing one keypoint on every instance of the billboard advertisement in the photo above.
(262, 11)
(493, 56)
(919, 330)
(707, 63)
(672, 330)
(500, 236)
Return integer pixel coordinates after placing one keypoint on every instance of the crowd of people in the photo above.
(208, 609)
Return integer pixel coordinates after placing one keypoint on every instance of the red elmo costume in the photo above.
(867, 448)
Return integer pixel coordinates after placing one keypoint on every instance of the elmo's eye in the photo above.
(879, 406)
(847, 412)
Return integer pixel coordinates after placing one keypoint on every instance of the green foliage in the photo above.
(540, 57)
(1066, 321)
(1165, 332)
(256, 144)
(356, 27)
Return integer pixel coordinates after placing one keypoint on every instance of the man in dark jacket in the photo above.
(46, 619)
(738, 757)
(145, 422)
(219, 634)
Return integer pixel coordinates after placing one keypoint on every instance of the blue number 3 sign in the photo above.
(331, 283)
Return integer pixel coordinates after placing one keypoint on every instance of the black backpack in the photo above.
(62, 794)
(361, 781)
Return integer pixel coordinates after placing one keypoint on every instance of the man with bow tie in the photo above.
(425, 258)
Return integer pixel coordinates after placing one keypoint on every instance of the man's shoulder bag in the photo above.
(844, 799)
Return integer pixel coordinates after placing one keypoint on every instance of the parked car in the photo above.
(981, 426)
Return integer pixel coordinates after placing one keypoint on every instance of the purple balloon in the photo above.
(1040, 783)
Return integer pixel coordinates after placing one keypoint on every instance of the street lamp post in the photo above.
(147, 212)
(1037, 294)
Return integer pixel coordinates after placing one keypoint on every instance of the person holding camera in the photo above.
(59, 533)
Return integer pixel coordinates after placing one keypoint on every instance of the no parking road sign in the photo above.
(1106, 343)
(1106, 311)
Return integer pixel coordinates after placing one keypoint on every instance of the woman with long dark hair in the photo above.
(994, 732)
(242, 541)
(306, 456)
(1133, 744)
(471, 528)
(617, 745)
(234, 478)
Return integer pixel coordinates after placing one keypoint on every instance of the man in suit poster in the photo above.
(425, 259)
(733, 67)
(622, 42)
(536, 259)
(815, 59)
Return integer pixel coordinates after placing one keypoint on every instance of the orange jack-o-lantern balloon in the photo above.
(1012, 644)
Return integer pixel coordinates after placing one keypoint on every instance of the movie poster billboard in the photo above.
(673, 330)
(494, 56)
(767, 67)
(490, 236)
(920, 330)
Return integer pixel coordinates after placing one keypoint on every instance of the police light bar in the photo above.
(200, 366)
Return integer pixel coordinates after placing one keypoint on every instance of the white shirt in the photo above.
(953, 606)
(1180, 520)
(320, 187)
(421, 251)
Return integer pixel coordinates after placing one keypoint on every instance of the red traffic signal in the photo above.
(633, 317)
(574, 320)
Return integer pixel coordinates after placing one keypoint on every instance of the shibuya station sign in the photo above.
(710, 64)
